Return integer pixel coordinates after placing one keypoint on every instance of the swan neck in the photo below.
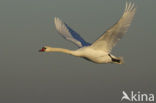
(62, 50)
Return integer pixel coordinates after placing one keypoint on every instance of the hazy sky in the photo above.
(27, 76)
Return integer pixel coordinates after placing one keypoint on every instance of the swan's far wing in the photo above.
(108, 40)
(69, 34)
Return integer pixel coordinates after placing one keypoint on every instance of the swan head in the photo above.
(43, 49)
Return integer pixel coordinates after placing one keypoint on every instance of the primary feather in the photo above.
(108, 40)
(69, 34)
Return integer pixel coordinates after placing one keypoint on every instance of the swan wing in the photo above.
(69, 33)
(108, 40)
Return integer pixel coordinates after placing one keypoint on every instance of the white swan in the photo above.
(98, 51)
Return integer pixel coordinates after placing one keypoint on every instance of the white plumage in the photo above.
(108, 40)
(62, 29)
(98, 51)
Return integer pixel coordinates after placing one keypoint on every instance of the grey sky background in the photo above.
(28, 76)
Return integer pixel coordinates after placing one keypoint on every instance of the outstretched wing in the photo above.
(69, 34)
(108, 40)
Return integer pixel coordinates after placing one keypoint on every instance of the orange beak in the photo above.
(42, 50)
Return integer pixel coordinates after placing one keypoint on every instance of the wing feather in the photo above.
(69, 34)
(108, 40)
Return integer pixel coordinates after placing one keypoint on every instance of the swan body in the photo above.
(100, 50)
(97, 56)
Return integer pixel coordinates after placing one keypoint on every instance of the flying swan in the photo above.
(100, 50)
